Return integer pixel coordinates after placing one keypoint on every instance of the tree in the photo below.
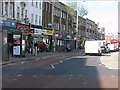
(82, 11)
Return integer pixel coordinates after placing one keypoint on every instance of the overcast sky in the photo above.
(104, 12)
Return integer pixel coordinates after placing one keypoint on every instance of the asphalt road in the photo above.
(75, 72)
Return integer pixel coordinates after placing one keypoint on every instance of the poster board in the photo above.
(16, 43)
(16, 50)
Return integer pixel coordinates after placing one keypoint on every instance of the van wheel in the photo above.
(86, 53)
(100, 54)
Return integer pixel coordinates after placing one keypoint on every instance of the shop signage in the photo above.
(16, 44)
(9, 23)
(16, 50)
(1, 21)
(24, 28)
(16, 39)
(38, 31)
(49, 32)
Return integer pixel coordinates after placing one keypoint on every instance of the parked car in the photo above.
(105, 48)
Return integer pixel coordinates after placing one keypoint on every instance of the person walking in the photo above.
(35, 48)
(42, 46)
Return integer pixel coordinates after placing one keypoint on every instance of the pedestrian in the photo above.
(35, 48)
(42, 46)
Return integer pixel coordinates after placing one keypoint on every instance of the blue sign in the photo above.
(9, 23)
(1, 22)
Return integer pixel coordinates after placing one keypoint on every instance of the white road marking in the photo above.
(34, 75)
(61, 61)
(19, 75)
(52, 66)
(23, 62)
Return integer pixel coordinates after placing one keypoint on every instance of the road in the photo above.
(72, 72)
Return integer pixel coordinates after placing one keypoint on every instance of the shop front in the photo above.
(10, 27)
(25, 37)
(59, 40)
(48, 39)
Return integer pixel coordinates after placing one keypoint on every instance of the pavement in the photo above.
(43, 55)
(110, 61)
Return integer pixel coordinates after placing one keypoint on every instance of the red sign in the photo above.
(25, 29)
(16, 39)
(113, 41)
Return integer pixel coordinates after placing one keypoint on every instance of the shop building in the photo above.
(64, 25)
(29, 16)
(90, 29)
(47, 23)
(81, 30)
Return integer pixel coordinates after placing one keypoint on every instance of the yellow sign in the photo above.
(49, 32)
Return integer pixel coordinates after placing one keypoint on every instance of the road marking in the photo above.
(34, 76)
(52, 66)
(15, 79)
(61, 61)
(19, 75)
(23, 62)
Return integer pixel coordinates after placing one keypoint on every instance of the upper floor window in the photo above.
(32, 3)
(43, 6)
(36, 19)
(11, 9)
(36, 5)
(22, 13)
(25, 13)
(18, 12)
(46, 6)
(39, 20)
(6, 8)
(49, 7)
(32, 18)
(40, 5)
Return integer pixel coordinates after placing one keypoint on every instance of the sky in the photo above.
(104, 12)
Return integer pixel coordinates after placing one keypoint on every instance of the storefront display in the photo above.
(16, 44)
(16, 50)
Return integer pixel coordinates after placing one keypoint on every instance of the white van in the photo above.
(93, 47)
(113, 47)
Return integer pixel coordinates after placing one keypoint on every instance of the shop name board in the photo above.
(9, 23)
(48, 32)
(1, 21)
(38, 31)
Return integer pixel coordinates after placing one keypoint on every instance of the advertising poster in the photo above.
(16, 50)
(16, 39)
(23, 45)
